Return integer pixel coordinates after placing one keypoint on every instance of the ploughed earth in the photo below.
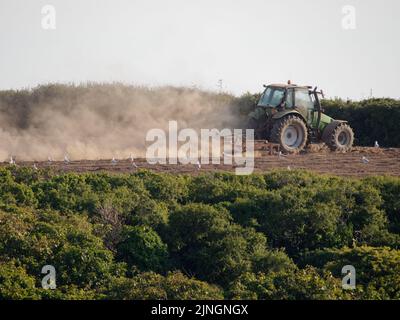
(359, 162)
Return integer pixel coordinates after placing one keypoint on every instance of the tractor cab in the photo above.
(282, 96)
(289, 97)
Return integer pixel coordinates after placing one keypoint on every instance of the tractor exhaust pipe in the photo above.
(319, 108)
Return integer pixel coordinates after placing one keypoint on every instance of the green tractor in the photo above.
(292, 116)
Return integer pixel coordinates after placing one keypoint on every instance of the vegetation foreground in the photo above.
(279, 235)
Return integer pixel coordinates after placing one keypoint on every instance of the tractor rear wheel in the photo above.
(291, 133)
(339, 138)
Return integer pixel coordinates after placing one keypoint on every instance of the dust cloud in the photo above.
(101, 121)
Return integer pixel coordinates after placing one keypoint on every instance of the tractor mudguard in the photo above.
(285, 113)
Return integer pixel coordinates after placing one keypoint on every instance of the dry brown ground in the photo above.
(317, 158)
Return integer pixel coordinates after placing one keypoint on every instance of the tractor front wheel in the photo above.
(339, 137)
(291, 133)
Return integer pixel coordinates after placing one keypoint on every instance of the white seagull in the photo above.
(227, 154)
(66, 159)
(376, 144)
(198, 165)
(35, 167)
(114, 161)
(364, 160)
(12, 161)
(132, 159)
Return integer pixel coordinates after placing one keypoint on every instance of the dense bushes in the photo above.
(15, 283)
(141, 247)
(299, 284)
(204, 240)
(378, 269)
(279, 235)
(152, 286)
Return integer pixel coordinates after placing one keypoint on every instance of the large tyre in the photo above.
(338, 136)
(291, 133)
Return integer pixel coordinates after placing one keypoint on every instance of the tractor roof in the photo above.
(286, 86)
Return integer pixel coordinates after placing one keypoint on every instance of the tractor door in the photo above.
(315, 119)
(290, 99)
(304, 104)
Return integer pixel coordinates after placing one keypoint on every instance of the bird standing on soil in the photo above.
(12, 161)
(364, 160)
(35, 167)
(114, 161)
(376, 144)
(132, 159)
(198, 165)
(66, 159)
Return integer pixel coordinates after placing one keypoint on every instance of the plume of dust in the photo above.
(100, 121)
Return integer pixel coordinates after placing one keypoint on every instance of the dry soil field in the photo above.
(318, 159)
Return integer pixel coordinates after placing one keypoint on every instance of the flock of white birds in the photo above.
(67, 161)
(131, 158)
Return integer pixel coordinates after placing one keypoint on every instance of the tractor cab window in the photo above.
(289, 99)
(313, 100)
(303, 99)
(271, 97)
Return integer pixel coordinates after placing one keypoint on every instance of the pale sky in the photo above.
(246, 43)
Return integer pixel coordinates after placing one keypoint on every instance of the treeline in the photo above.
(279, 235)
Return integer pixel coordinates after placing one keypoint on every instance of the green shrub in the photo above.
(143, 248)
(152, 286)
(377, 269)
(15, 283)
(301, 284)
